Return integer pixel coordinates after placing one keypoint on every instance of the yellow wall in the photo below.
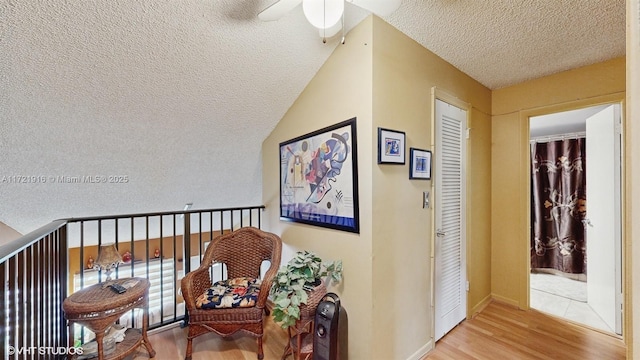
(511, 107)
(384, 79)
(633, 175)
(403, 74)
(340, 90)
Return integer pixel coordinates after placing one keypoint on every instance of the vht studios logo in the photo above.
(44, 350)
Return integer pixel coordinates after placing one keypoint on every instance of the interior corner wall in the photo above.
(510, 158)
(384, 78)
(339, 91)
(404, 73)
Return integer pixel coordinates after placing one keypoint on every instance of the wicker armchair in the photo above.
(242, 251)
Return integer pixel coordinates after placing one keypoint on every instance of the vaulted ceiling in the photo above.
(179, 94)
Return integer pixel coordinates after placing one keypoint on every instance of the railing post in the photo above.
(186, 260)
(186, 243)
(3, 299)
(64, 278)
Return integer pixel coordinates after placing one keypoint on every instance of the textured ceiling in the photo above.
(176, 93)
(503, 42)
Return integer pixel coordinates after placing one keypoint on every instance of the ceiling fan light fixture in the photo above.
(323, 14)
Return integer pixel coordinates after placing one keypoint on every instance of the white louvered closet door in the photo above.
(450, 261)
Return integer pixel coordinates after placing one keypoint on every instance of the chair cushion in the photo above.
(230, 293)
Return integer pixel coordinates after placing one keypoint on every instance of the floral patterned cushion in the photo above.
(231, 293)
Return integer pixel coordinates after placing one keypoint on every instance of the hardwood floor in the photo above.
(504, 332)
(498, 332)
(171, 344)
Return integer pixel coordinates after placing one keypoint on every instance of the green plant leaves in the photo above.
(294, 311)
(301, 296)
(293, 281)
(335, 269)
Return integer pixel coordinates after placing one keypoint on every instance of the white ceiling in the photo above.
(565, 122)
(173, 92)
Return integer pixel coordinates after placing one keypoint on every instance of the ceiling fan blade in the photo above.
(378, 7)
(278, 10)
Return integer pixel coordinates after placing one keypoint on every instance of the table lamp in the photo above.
(108, 259)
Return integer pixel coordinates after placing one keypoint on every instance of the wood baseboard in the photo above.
(480, 306)
(422, 352)
(505, 300)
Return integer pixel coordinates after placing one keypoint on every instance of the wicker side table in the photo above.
(98, 308)
(300, 343)
(301, 334)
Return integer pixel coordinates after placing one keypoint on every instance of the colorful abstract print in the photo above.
(315, 184)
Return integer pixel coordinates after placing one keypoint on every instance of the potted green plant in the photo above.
(303, 275)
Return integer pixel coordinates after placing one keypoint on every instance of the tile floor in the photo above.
(565, 307)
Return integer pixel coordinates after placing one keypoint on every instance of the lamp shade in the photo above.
(323, 14)
(108, 257)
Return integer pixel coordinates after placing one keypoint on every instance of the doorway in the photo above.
(575, 240)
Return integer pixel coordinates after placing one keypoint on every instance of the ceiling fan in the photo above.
(327, 15)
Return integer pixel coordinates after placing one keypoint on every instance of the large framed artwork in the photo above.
(319, 178)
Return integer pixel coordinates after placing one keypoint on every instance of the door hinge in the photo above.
(468, 135)
(467, 285)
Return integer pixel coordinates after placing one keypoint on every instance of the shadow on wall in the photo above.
(7, 234)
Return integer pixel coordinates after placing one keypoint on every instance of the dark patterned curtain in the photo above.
(558, 205)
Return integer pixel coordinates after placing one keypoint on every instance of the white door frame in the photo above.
(439, 94)
(525, 116)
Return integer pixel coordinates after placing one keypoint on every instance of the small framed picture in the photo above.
(420, 162)
(391, 147)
